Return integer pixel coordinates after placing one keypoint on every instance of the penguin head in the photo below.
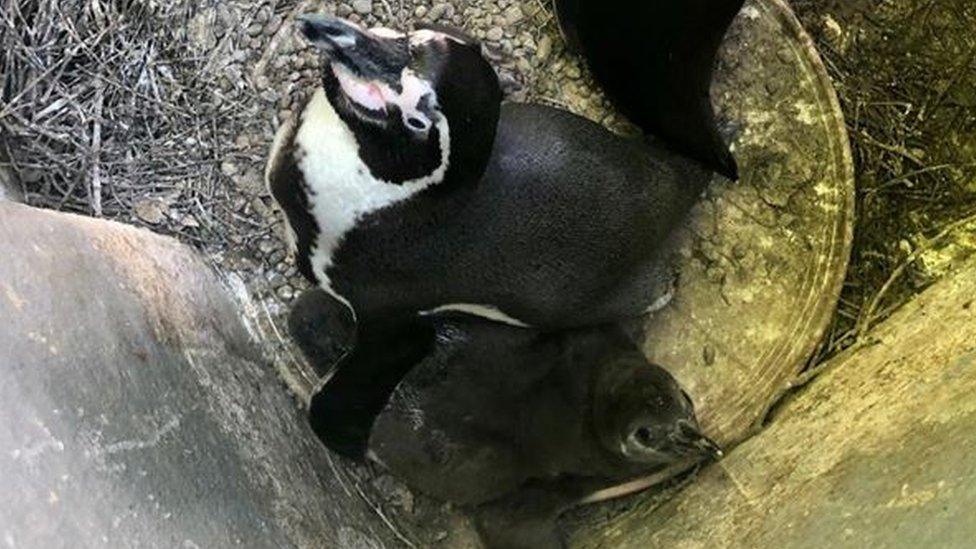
(643, 415)
(422, 105)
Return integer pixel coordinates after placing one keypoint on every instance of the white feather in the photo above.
(490, 312)
(342, 189)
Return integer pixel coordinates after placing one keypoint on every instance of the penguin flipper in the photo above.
(322, 327)
(656, 65)
(342, 413)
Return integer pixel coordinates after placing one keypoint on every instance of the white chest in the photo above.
(341, 188)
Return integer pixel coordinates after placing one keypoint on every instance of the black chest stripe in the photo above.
(396, 154)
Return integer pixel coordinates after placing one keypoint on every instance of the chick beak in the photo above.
(709, 448)
(691, 437)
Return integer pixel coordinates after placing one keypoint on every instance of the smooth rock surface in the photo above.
(9, 187)
(135, 410)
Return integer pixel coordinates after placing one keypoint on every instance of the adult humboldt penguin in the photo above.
(654, 59)
(399, 203)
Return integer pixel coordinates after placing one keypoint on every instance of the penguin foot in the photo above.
(667, 286)
(661, 302)
(528, 518)
(518, 525)
(323, 328)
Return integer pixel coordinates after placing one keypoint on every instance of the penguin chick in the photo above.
(491, 407)
(409, 189)
(656, 65)
(517, 426)
(587, 390)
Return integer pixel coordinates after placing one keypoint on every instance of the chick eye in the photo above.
(643, 436)
(417, 124)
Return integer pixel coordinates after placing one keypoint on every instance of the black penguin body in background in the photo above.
(655, 64)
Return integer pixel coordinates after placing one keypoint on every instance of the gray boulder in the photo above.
(135, 411)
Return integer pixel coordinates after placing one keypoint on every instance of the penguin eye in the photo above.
(643, 436)
(417, 124)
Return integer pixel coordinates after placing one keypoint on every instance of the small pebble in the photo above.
(266, 246)
(544, 49)
(286, 292)
(277, 280)
(437, 12)
(273, 25)
(150, 210)
(495, 34)
(513, 15)
(278, 257)
(362, 6)
(228, 168)
(708, 355)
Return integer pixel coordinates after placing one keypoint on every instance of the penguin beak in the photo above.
(689, 436)
(367, 55)
(709, 448)
(327, 31)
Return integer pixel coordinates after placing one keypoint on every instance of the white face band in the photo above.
(363, 92)
(376, 96)
(414, 91)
